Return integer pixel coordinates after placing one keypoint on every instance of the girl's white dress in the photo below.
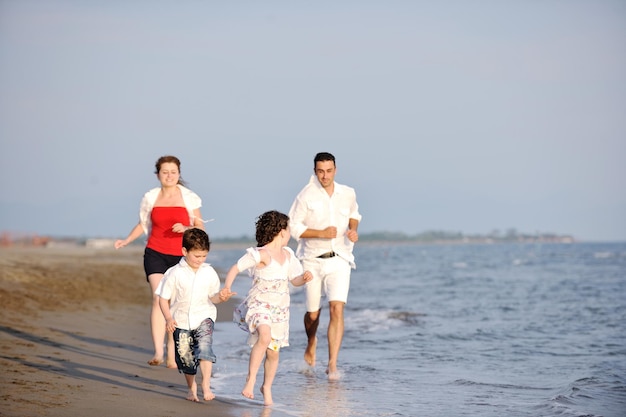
(268, 300)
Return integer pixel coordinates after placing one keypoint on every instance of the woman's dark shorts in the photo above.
(157, 263)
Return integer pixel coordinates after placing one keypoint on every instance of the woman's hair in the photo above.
(268, 225)
(169, 159)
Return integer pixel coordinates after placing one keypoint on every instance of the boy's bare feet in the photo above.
(309, 353)
(192, 395)
(267, 396)
(248, 389)
(172, 365)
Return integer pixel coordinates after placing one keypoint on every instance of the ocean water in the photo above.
(455, 330)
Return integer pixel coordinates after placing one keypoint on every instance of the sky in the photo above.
(461, 116)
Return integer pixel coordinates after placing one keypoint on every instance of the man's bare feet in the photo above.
(309, 353)
(267, 395)
(248, 389)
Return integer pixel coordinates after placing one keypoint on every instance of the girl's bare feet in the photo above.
(208, 394)
(333, 375)
(248, 389)
(267, 395)
(206, 389)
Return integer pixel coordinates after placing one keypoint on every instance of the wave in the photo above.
(496, 385)
(373, 320)
(590, 397)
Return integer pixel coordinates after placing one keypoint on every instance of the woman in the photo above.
(164, 214)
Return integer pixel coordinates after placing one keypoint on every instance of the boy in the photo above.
(187, 294)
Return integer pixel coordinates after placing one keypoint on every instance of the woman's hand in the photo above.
(120, 243)
(180, 228)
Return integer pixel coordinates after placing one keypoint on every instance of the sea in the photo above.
(490, 330)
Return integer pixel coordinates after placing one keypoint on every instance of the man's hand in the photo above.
(329, 233)
(352, 235)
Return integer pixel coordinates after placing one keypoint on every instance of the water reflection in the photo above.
(313, 397)
(262, 412)
(321, 398)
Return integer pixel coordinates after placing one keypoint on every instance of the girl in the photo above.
(264, 313)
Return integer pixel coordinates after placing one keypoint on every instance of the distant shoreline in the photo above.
(426, 237)
(242, 243)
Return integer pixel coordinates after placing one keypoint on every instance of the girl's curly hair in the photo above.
(268, 225)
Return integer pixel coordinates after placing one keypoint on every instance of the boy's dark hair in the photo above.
(196, 239)
(268, 225)
(323, 156)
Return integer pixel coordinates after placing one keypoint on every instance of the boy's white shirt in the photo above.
(189, 293)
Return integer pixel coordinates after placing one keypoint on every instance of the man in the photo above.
(324, 219)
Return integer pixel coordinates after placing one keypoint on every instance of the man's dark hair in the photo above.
(323, 156)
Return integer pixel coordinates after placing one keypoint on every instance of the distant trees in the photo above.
(443, 236)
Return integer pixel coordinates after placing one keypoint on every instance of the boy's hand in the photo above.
(170, 325)
(307, 276)
(226, 293)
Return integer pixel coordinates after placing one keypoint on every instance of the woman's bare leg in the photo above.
(157, 323)
(170, 362)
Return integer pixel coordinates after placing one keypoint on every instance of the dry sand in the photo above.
(75, 338)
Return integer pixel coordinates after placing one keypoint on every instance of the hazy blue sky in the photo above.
(462, 116)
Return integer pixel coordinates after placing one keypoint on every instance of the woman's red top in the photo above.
(162, 239)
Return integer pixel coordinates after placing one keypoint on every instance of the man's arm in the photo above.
(329, 233)
(352, 233)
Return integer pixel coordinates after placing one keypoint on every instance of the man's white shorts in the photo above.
(331, 278)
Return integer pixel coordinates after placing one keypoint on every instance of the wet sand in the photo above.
(75, 339)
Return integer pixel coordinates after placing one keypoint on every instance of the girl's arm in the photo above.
(230, 277)
(302, 279)
(223, 295)
(251, 259)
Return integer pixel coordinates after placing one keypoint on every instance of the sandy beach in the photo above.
(74, 339)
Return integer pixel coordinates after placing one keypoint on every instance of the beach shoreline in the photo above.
(75, 339)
